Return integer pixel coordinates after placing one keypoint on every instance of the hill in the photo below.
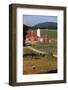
(46, 25)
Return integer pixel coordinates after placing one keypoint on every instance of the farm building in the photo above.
(31, 36)
(35, 36)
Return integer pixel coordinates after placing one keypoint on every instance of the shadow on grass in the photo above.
(51, 71)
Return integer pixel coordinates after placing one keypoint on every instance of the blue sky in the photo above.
(31, 20)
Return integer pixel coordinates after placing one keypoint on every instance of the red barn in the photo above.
(46, 39)
(31, 36)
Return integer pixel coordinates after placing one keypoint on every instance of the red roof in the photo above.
(31, 34)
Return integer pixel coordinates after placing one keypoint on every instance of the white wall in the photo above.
(4, 44)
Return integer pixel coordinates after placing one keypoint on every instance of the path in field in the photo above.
(38, 51)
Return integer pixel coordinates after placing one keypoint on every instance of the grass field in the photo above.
(34, 63)
(42, 63)
(46, 47)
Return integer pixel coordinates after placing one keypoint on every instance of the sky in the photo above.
(31, 20)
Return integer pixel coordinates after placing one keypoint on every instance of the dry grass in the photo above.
(39, 65)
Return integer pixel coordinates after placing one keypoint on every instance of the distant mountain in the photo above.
(46, 25)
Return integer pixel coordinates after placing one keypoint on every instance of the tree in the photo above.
(25, 29)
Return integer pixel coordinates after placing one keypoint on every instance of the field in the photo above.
(37, 63)
(34, 63)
